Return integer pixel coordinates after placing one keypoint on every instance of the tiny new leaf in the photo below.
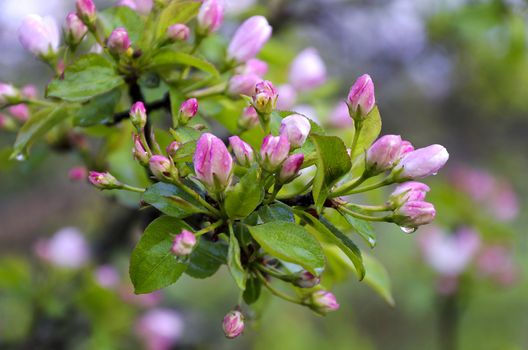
(171, 200)
(369, 132)
(233, 261)
(245, 196)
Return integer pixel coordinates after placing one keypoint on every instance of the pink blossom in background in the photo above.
(107, 276)
(144, 300)
(496, 262)
(339, 117)
(307, 70)
(78, 173)
(287, 97)
(19, 111)
(66, 248)
(160, 329)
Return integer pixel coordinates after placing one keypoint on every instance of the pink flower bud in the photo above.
(243, 84)
(308, 70)
(160, 329)
(178, 31)
(361, 98)
(307, 280)
(383, 154)
(127, 3)
(253, 66)
(409, 192)
(249, 118)
(211, 16)
(118, 42)
(323, 301)
(8, 94)
(19, 111)
(290, 167)
(107, 276)
(243, 152)
(172, 148)
(75, 29)
(422, 162)
(67, 248)
(233, 324)
(30, 91)
(39, 35)
(138, 115)
(183, 243)
(274, 151)
(413, 214)
(212, 163)
(249, 38)
(86, 11)
(265, 98)
(340, 116)
(160, 166)
(141, 6)
(287, 97)
(139, 151)
(496, 262)
(104, 181)
(296, 128)
(188, 110)
(77, 173)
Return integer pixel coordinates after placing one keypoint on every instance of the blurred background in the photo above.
(453, 72)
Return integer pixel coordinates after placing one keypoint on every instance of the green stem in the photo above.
(369, 207)
(209, 228)
(365, 217)
(384, 182)
(39, 103)
(133, 189)
(276, 189)
(209, 91)
(274, 273)
(196, 196)
(348, 186)
(276, 292)
(358, 127)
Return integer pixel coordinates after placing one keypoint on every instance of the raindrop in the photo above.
(20, 157)
(408, 229)
(372, 241)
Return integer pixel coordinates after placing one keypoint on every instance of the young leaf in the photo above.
(99, 110)
(89, 76)
(252, 292)
(171, 58)
(233, 262)
(331, 234)
(242, 199)
(178, 11)
(369, 132)
(37, 126)
(362, 228)
(332, 163)
(171, 200)
(206, 258)
(378, 278)
(124, 17)
(152, 264)
(290, 242)
(276, 212)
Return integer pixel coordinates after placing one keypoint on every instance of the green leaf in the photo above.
(276, 212)
(290, 242)
(206, 258)
(185, 134)
(362, 228)
(378, 278)
(89, 76)
(37, 126)
(332, 163)
(178, 11)
(331, 234)
(233, 262)
(98, 110)
(124, 17)
(168, 57)
(252, 292)
(369, 132)
(185, 153)
(152, 265)
(243, 198)
(172, 201)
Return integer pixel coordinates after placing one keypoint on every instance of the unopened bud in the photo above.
(77, 173)
(248, 119)
(265, 98)
(297, 128)
(104, 181)
(361, 98)
(139, 151)
(421, 163)
(233, 324)
(177, 32)
(307, 280)
(249, 38)
(118, 42)
(290, 168)
(172, 148)
(324, 302)
(243, 152)
(413, 214)
(183, 243)
(138, 115)
(86, 11)
(161, 167)
(8, 94)
(75, 29)
(188, 110)
(274, 151)
(39, 35)
(210, 16)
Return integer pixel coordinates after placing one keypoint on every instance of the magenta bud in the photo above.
(172, 148)
(212, 163)
(296, 128)
(413, 214)
(210, 16)
(287, 97)
(67, 248)
(160, 166)
(253, 66)
(104, 181)
(75, 29)
(77, 173)
(243, 84)
(290, 168)
(323, 302)
(138, 115)
(118, 42)
(421, 163)
(86, 11)
(307, 280)
(383, 154)
(249, 118)
(178, 32)
(39, 35)
(183, 243)
(340, 117)
(139, 151)
(233, 324)
(409, 192)
(265, 98)
(188, 110)
(243, 152)
(361, 98)
(20, 112)
(308, 70)
(249, 39)
(30, 91)
(274, 151)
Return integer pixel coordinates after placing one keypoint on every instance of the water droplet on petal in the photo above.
(434, 174)
(20, 157)
(372, 241)
(408, 229)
